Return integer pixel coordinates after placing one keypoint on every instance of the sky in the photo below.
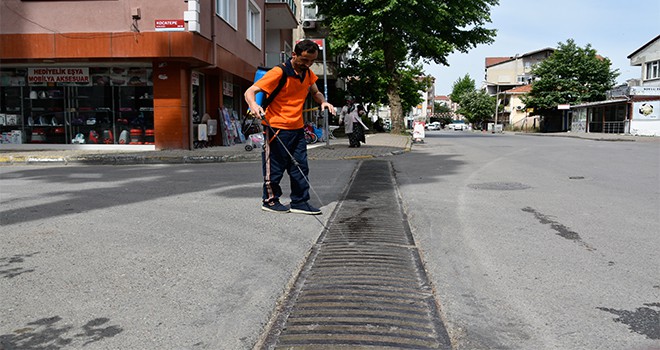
(614, 28)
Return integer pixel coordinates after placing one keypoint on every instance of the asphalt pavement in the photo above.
(137, 257)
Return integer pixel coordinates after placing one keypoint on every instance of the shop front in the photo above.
(635, 113)
(75, 104)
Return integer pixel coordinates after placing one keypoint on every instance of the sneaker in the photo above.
(275, 207)
(305, 208)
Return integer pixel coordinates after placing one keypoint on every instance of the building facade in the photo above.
(505, 78)
(516, 115)
(151, 75)
(504, 73)
(633, 108)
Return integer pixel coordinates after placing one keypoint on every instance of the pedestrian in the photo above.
(285, 147)
(351, 117)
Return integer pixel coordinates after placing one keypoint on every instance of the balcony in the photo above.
(281, 14)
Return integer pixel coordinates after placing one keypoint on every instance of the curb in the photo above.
(122, 160)
(173, 158)
(614, 139)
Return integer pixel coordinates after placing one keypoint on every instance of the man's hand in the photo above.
(330, 107)
(250, 98)
(258, 112)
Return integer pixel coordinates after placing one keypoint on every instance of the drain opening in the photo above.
(364, 283)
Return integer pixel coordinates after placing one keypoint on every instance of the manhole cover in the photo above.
(499, 186)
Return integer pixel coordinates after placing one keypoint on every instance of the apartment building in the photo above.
(504, 77)
(504, 73)
(146, 75)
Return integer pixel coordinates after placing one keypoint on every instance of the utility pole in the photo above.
(497, 107)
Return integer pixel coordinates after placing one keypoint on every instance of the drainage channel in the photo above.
(363, 286)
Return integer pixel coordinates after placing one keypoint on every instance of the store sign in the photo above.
(169, 25)
(645, 90)
(58, 75)
(227, 89)
(647, 110)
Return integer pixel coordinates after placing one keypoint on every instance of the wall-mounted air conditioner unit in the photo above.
(309, 24)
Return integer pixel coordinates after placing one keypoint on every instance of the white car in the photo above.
(457, 125)
(434, 126)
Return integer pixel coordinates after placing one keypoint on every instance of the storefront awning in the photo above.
(601, 103)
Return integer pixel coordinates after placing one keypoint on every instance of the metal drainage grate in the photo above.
(364, 285)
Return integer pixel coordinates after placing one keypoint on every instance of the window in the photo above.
(653, 70)
(227, 11)
(310, 11)
(253, 24)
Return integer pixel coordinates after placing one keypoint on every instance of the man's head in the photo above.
(304, 55)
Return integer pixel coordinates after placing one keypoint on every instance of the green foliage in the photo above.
(461, 87)
(361, 74)
(442, 114)
(410, 84)
(477, 106)
(392, 37)
(369, 87)
(570, 75)
(439, 108)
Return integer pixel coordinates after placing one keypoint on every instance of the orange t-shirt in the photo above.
(285, 111)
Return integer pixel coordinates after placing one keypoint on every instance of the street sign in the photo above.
(319, 42)
(169, 25)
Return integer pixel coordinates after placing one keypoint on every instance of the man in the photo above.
(284, 120)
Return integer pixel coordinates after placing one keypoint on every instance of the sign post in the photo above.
(321, 44)
(325, 93)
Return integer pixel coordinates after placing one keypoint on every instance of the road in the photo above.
(530, 243)
(539, 242)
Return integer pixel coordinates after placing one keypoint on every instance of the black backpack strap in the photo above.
(279, 87)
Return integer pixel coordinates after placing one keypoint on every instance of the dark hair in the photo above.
(306, 45)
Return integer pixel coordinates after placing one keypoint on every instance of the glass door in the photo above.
(92, 116)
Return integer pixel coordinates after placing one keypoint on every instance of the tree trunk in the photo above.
(396, 113)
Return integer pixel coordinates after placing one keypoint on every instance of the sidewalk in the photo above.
(378, 145)
(594, 136)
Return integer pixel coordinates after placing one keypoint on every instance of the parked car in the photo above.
(434, 126)
(457, 125)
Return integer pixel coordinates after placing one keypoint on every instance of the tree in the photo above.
(410, 84)
(477, 106)
(442, 113)
(362, 78)
(440, 109)
(404, 32)
(368, 86)
(570, 75)
(461, 87)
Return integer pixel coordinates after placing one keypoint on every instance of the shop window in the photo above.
(198, 98)
(77, 105)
